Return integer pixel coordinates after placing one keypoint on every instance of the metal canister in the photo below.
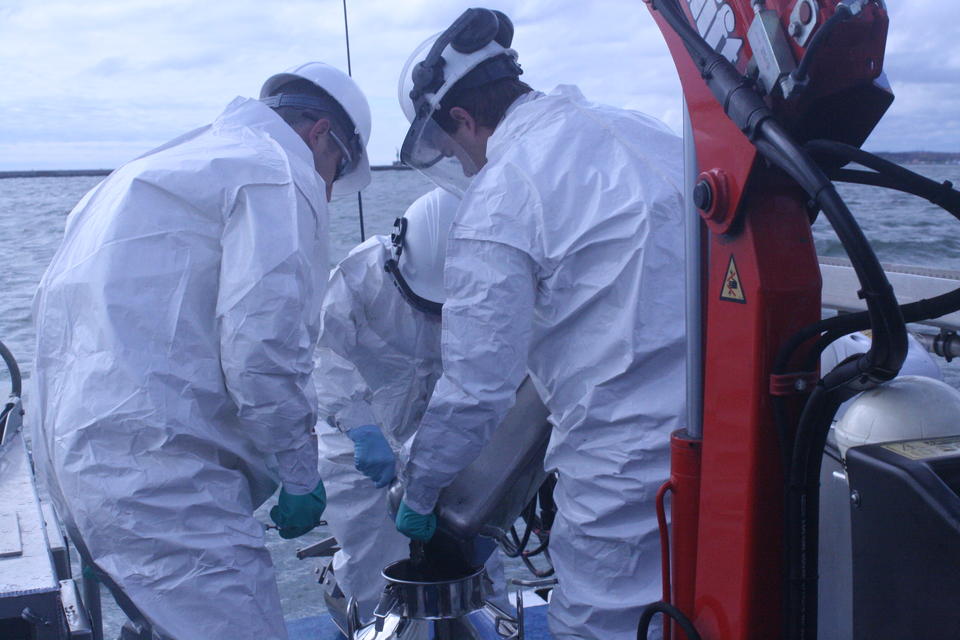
(487, 497)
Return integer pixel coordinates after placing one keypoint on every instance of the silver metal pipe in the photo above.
(945, 344)
(694, 312)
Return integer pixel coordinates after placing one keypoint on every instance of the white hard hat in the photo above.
(906, 408)
(420, 248)
(348, 95)
(475, 50)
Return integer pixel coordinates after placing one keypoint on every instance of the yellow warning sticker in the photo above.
(732, 289)
(924, 449)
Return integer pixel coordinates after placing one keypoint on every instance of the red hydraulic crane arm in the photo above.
(760, 79)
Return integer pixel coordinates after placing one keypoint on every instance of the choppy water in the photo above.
(32, 215)
(903, 230)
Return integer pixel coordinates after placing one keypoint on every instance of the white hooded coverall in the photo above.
(566, 257)
(176, 327)
(377, 362)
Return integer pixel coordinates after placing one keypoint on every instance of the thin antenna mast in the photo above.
(346, 32)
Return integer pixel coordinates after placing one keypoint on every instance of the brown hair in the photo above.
(487, 103)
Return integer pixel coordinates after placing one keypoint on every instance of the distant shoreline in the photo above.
(73, 173)
(900, 157)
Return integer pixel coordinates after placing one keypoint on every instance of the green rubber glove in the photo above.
(415, 526)
(295, 515)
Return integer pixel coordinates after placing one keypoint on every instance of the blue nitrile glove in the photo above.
(372, 455)
(295, 514)
(415, 526)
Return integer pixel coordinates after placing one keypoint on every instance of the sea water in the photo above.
(902, 229)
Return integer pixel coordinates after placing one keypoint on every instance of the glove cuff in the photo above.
(298, 469)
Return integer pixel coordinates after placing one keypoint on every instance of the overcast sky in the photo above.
(91, 84)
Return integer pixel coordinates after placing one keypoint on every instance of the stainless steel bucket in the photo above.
(452, 609)
(430, 600)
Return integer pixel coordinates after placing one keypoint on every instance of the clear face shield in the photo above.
(434, 153)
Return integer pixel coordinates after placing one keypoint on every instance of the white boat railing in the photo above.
(840, 287)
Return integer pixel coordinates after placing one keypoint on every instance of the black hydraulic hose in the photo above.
(696, 46)
(803, 509)
(11, 362)
(734, 92)
(925, 309)
(889, 175)
(889, 347)
(944, 196)
(799, 75)
(540, 573)
(748, 111)
(813, 356)
(666, 609)
(892, 176)
(879, 364)
(836, 327)
(517, 545)
(802, 513)
(540, 548)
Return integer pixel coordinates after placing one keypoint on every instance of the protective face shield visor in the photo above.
(477, 46)
(434, 153)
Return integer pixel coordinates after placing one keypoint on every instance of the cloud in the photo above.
(98, 72)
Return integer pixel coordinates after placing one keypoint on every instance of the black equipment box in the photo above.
(905, 517)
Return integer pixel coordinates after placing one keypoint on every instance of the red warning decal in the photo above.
(732, 289)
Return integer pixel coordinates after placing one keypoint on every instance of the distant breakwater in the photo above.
(61, 173)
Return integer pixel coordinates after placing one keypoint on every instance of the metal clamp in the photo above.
(792, 384)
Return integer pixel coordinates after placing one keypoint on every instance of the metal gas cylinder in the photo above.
(486, 498)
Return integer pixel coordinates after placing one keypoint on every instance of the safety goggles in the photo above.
(351, 148)
(348, 160)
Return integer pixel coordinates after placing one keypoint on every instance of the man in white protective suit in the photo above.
(377, 362)
(565, 258)
(176, 329)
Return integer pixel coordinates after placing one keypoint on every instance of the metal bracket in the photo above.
(792, 384)
(803, 20)
(323, 549)
(771, 52)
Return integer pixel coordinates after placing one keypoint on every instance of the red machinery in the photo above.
(763, 79)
